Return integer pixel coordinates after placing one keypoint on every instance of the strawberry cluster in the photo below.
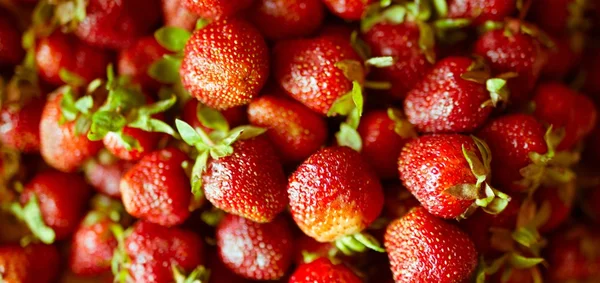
(197, 141)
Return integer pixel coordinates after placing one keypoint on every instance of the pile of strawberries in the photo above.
(196, 141)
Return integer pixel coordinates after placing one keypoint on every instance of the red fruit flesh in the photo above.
(322, 270)
(20, 125)
(216, 9)
(36, 263)
(481, 11)
(135, 61)
(348, 9)
(177, 15)
(92, 248)
(279, 19)
(147, 142)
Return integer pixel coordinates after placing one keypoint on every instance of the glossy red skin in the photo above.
(135, 60)
(11, 52)
(322, 270)
(117, 24)
(560, 209)
(511, 139)
(20, 125)
(305, 69)
(424, 248)
(295, 131)
(154, 249)
(60, 146)
(566, 258)
(36, 263)
(428, 165)
(254, 250)
(280, 19)
(147, 140)
(348, 9)
(309, 245)
(232, 76)
(481, 11)
(562, 59)
(381, 144)
(105, 178)
(334, 193)
(176, 15)
(62, 51)
(443, 102)
(216, 9)
(249, 183)
(519, 53)
(562, 107)
(62, 198)
(401, 41)
(552, 16)
(92, 248)
(398, 201)
(157, 189)
(235, 116)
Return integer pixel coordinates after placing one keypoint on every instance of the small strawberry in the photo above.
(135, 60)
(383, 135)
(20, 128)
(560, 200)
(193, 111)
(295, 131)
(92, 245)
(216, 9)
(11, 52)
(323, 270)
(566, 109)
(334, 195)
(573, 255)
(477, 10)
(176, 14)
(234, 75)
(449, 175)
(157, 189)
(254, 250)
(105, 175)
(279, 19)
(423, 248)
(317, 71)
(348, 9)
(35, 263)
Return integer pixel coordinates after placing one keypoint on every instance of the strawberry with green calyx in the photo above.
(238, 171)
(166, 69)
(461, 183)
(323, 270)
(202, 116)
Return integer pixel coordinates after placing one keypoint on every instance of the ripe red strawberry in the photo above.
(157, 189)
(481, 11)
(312, 70)
(35, 263)
(323, 270)
(306, 248)
(559, 16)
(117, 24)
(63, 51)
(20, 128)
(60, 198)
(295, 131)
(513, 52)
(135, 60)
(383, 134)
(60, 146)
(254, 250)
(92, 246)
(216, 9)
(234, 75)
(177, 15)
(115, 145)
(334, 194)
(154, 251)
(560, 201)
(444, 101)
(11, 52)
(566, 109)
(563, 58)
(105, 176)
(235, 116)
(573, 254)
(348, 9)
(401, 41)
(278, 19)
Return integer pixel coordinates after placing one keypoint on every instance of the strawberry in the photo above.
(60, 144)
(450, 82)
(384, 133)
(560, 201)
(513, 53)
(254, 250)
(317, 71)
(234, 75)
(279, 19)
(35, 263)
(566, 109)
(348, 9)
(423, 248)
(157, 189)
(479, 11)
(323, 270)
(176, 14)
(117, 24)
(401, 41)
(92, 245)
(334, 195)
(135, 60)
(192, 112)
(20, 128)
(560, 16)
(448, 174)
(295, 131)
(11, 52)
(216, 9)
(573, 255)
(114, 143)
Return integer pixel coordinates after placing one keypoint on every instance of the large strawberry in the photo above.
(423, 248)
(449, 175)
(348, 9)
(296, 131)
(334, 195)
(234, 75)
(92, 245)
(21, 125)
(258, 251)
(477, 10)
(33, 263)
(135, 60)
(323, 270)
(279, 19)
(157, 189)
(216, 9)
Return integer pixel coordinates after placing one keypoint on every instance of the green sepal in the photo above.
(346, 103)
(521, 262)
(494, 201)
(31, 214)
(67, 105)
(172, 38)
(211, 118)
(527, 237)
(441, 8)
(498, 90)
(360, 46)
(486, 270)
(213, 216)
(166, 69)
(358, 242)
(352, 69)
(120, 260)
(381, 62)
(308, 257)
(427, 41)
(82, 125)
(393, 14)
(199, 275)
(378, 85)
(197, 171)
(348, 136)
(70, 13)
(450, 24)
(385, 3)
(243, 133)
(94, 85)
(70, 78)
(402, 126)
(463, 191)
(144, 120)
(122, 100)
(201, 23)
(128, 142)
(187, 133)
(104, 122)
